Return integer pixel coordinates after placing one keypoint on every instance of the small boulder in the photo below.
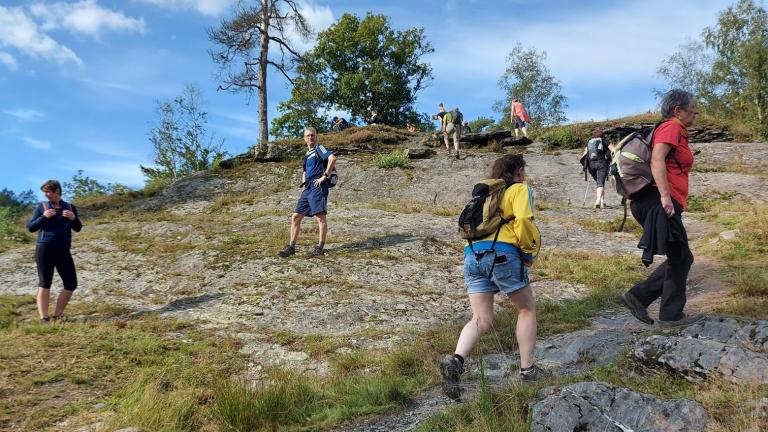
(419, 153)
(597, 406)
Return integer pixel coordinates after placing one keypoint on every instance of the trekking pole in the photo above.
(586, 189)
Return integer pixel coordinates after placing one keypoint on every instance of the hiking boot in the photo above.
(45, 320)
(287, 251)
(317, 251)
(457, 154)
(534, 373)
(451, 370)
(635, 307)
(684, 321)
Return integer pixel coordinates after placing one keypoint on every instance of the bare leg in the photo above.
(62, 302)
(517, 132)
(526, 324)
(43, 298)
(600, 195)
(456, 141)
(525, 131)
(322, 227)
(481, 322)
(295, 226)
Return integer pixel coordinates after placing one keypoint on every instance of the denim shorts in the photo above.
(508, 276)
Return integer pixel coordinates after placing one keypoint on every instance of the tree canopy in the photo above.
(529, 80)
(359, 65)
(728, 68)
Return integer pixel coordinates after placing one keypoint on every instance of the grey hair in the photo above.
(675, 98)
(310, 128)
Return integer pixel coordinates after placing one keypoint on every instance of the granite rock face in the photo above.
(597, 406)
(713, 347)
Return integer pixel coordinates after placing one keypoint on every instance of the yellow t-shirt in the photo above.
(521, 232)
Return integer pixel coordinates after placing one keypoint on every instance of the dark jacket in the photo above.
(56, 231)
(658, 229)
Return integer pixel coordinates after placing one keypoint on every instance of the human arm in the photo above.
(39, 217)
(659, 171)
(528, 235)
(77, 224)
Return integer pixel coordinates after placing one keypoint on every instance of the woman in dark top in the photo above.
(598, 159)
(54, 219)
(658, 209)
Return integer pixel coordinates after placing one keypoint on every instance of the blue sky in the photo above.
(79, 78)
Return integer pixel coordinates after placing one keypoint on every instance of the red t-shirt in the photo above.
(673, 132)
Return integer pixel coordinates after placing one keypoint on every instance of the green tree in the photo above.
(727, 69)
(243, 49)
(359, 65)
(83, 186)
(739, 75)
(480, 123)
(529, 80)
(180, 139)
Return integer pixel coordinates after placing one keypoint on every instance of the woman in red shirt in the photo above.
(658, 209)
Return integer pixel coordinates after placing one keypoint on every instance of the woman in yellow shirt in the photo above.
(490, 267)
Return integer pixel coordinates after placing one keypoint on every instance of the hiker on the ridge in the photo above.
(502, 265)
(451, 128)
(339, 124)
(313, 202)
(466, 128)
(596, 159)
(519, 117)
(373, 119)
(55, 219)
(658, 210)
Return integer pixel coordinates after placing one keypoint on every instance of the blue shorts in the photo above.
(508, 276)
(519, 123)
(313, 201)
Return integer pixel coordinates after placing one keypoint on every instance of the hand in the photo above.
(49, 213)
(68, 214)
(320, 181)
(669, 208)
(528, 263)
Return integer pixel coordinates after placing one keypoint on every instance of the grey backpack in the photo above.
(596, 149)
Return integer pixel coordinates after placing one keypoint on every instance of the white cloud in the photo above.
(26, 114)
(37, 144)
(17, 30)
(127, 173)
(9, 61)
(84, 17)
(319, 18)
(205, 7)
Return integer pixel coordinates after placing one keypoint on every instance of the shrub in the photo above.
(394, 159)
(155, 186)
(563, 137)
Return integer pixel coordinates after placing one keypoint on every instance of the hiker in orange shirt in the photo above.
(519, 117)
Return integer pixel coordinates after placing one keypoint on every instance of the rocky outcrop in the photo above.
(696, 134)
(717, 347)
(503, 138)
(419, 153)
(597, 406)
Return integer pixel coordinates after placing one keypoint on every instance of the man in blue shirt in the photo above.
(313, 202)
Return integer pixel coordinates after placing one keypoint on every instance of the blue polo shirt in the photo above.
(315, 162)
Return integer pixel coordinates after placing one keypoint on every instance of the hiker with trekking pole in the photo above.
(595, 161)
(659, 192)
(502, 242)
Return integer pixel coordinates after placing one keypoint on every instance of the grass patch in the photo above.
(745, 263)
(98, 359)
(595, 225)
(393, 159)
(706, 204)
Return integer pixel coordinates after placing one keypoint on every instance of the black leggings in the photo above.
(49, 258)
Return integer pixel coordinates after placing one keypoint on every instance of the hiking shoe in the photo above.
(451, 370)
(317, 251)
(534, 373)
(45, 320)
(457, 155)
(287, 251)
(635, 307)
(684, 321)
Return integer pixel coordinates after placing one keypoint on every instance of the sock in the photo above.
(321, 245)
(459, 358)
(525, 370)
